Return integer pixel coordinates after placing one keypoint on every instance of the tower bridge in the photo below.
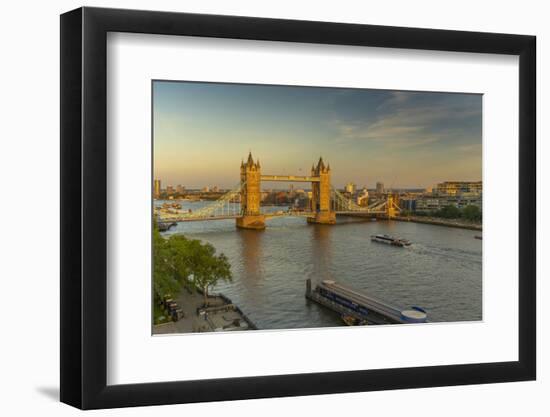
(243, 203)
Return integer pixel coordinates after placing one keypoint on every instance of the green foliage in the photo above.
(208, 269)
(159, 316)
(449, 212)
(164, 278)
(181, 255)
(178, 262)
(472, 213)
(423, 213)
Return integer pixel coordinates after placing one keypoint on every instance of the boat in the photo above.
(171, 205)
(390, 240)
(478, 237)
(165, 226)
(359, 308)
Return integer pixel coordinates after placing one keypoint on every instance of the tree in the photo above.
(164, 280)
(208, 268)
(172, 263)
(472, 213)
(449, 212)
(181, 258)
(178, 261)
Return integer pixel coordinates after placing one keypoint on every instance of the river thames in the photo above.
(441, 271)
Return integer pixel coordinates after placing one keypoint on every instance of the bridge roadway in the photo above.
(234, 216)
(290, 178)
(176, 219)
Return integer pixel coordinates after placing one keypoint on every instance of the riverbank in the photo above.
(220, 315)
(461, 224)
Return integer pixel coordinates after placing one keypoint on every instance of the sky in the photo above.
(202, 131)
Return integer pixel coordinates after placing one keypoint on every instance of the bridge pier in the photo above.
(254, 222)
(325, 204)
(323, 217)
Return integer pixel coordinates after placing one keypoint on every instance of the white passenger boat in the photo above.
(390, 240)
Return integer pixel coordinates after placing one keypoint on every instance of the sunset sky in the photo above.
(403, 139)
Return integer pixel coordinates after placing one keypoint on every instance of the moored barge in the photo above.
(360, 306)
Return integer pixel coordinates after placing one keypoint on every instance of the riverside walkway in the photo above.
(220, 316)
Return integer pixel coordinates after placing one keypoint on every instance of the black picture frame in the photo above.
(84, 207)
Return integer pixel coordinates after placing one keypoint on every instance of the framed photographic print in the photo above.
(258, 207)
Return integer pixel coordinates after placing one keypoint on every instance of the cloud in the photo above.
(397, 98)
(386, 132)
(406, 120)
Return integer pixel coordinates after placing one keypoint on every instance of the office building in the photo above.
(458, 187)
(156, 189)
(351, 188)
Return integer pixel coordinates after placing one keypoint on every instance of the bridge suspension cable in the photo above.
(227, 206)
(342, 203)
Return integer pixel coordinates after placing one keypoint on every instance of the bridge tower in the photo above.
(320, 200)
(250, 196)
(391, 211)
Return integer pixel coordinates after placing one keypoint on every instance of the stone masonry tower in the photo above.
(250, 196)
(391, 211)
(320, 201)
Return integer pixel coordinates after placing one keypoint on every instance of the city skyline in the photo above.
(202, 131)
(272, 186)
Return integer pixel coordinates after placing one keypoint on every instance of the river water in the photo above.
(441, 271)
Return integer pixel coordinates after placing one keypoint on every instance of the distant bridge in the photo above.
(243, 201)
